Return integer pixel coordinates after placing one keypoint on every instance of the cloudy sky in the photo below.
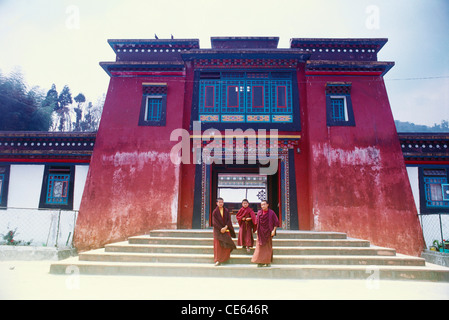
(63, 41)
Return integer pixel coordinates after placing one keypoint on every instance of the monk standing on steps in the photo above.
(267, 222)
(223, 231)
(247, 222)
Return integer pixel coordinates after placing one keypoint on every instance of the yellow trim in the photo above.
(154, 84)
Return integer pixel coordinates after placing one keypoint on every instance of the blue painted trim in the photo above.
(272, 82)
(331, 121)
(425, 208)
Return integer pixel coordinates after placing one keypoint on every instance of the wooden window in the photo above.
(57, 187)
(434, 190)
(153, 107)
(339, 109)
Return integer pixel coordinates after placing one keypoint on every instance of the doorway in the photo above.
(234, 183)
(280, 190)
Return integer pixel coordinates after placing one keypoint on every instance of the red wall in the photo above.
(132, 185)
(358, 181)
(348, 179)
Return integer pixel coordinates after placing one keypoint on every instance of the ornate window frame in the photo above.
(154, 95)
(432, 179)
(336, 91)
(64, 175)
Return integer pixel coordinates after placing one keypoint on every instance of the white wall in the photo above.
(80, 181)
(430, 223)
(25, 184)
(414, 183)
(44, 227)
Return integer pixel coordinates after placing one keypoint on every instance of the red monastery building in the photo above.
(308, 127)
(338, 163)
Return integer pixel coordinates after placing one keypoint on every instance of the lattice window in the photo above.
(338, 109)
(232, 96)
(258, 96)
(245, 97)
(58, 185)
(281, 95)
(210, 100)
(436, 192)
(153, 107)
(339, 105)
(434, 189)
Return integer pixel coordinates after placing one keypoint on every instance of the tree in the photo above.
(20, 108)
(64, 99)
(80, 99)
(411, 127)
(92, 117)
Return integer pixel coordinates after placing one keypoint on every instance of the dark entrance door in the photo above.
(234, 183)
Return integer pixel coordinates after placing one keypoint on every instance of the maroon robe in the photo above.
(246, 227)
(266, 221)
(223, 243)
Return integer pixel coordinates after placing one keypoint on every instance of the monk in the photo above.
(267, 222)
(223, 231)
(247, 222)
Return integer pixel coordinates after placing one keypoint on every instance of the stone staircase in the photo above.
(297, 255)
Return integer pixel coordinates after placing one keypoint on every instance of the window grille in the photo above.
(245, 97)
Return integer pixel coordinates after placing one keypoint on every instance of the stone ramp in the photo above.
(297, 255)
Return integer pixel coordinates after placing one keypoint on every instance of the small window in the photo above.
(434, 189)
(57, 187)
(154, 105)
(153, 110)
(339, 110)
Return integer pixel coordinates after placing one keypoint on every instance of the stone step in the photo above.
(369, 273)
(102, 255)
(297, 255)
(286, 250)
(281, 234)
(147, 239)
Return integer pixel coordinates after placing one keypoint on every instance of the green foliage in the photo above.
(20, 108)
(8, 239)
(411, 127)
(23, 109)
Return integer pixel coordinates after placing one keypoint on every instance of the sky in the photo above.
(63, 41)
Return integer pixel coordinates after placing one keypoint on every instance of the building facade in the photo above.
(42, 178)
(308, 127)
(426, 156)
